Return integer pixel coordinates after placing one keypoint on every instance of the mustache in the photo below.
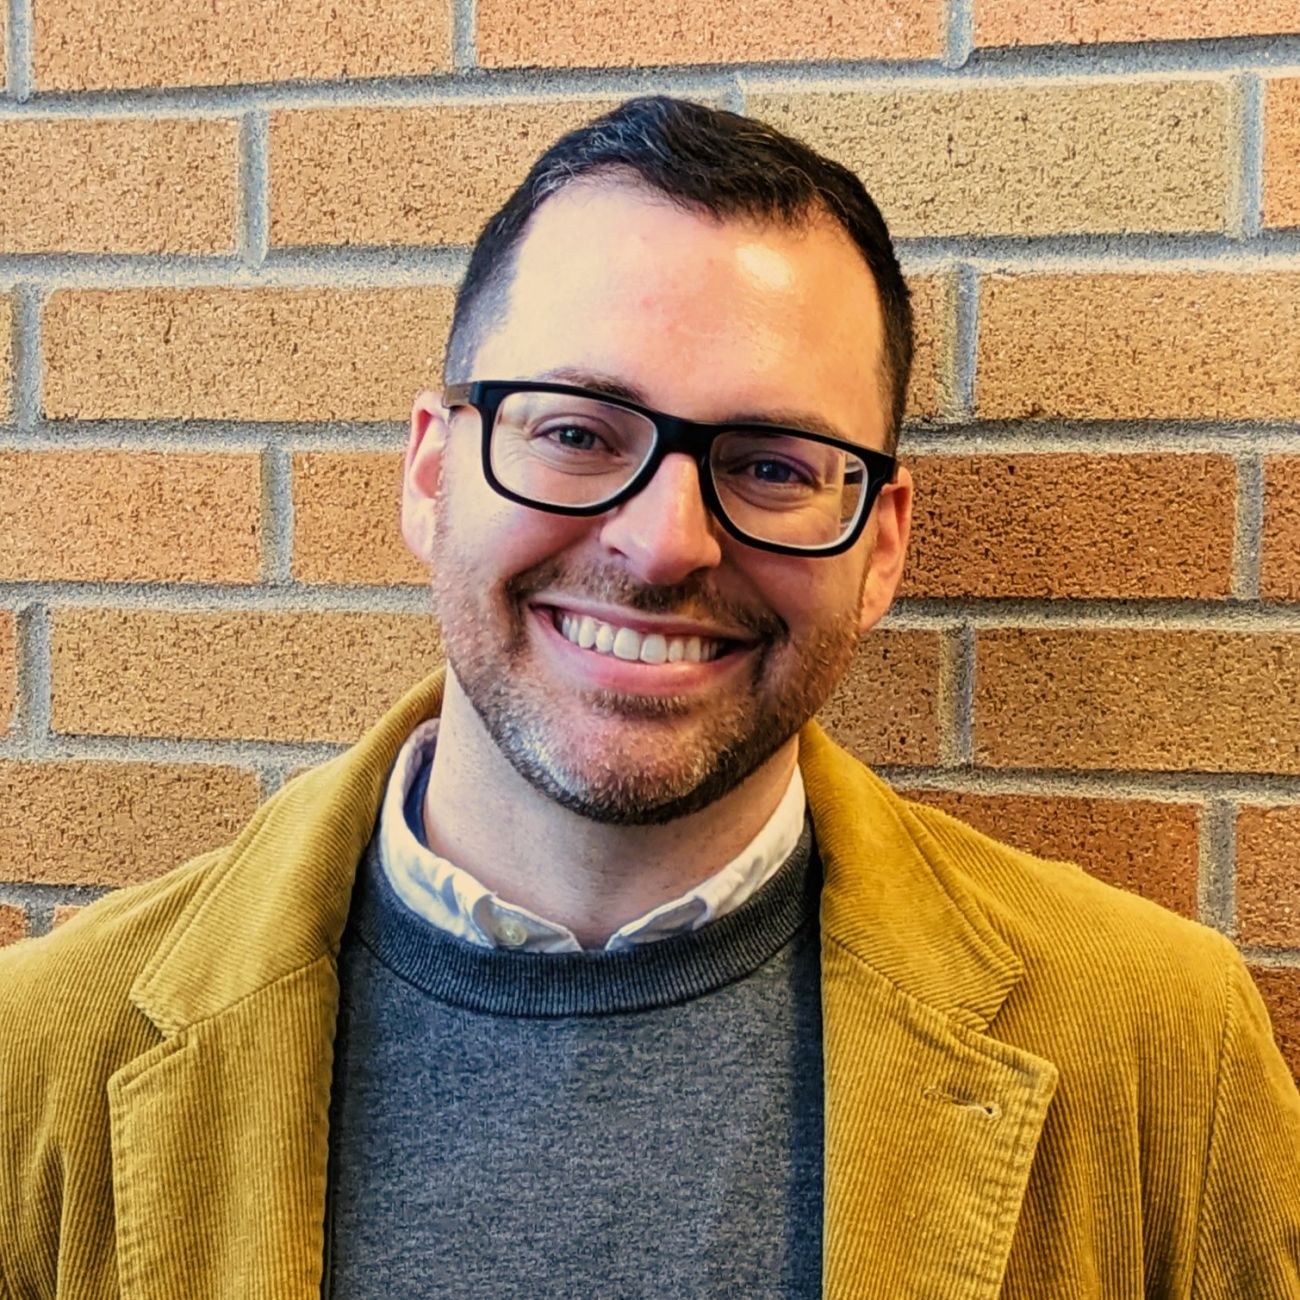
(693, 598)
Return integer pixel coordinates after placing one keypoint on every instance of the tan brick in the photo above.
(1026, 159)
(346, 524)
(1091, 22)
(63, 913)
(1280, 561)
(246, 675)
(886, 710)
(1151, 700)
(604, 34)
(118, 185)
(88, 44)
(130, 516)
(1268, 875)
(933, 310)
(241, 354)
(1091, 527)
(1282, 151)
(6, 356)
(1171, 345)
(13, 924)
(8, 669)
(1280, 988)
(1146, 847)
(405, 175)
(101, 823)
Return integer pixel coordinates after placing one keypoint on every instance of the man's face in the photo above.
(708, 320)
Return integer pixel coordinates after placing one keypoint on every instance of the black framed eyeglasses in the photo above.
(571, 451)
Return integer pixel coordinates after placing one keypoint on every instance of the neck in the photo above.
(589, 876)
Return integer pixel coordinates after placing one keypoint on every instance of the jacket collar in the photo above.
(924, 1111)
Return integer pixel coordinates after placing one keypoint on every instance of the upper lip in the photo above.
(643, 623)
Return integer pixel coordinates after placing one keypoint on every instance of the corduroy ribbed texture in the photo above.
(1034, 1085)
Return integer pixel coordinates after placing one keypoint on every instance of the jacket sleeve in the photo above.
(1248, 1241)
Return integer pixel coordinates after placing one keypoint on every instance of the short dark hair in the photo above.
(704, 159)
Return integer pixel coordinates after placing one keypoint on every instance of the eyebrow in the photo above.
(787, 418)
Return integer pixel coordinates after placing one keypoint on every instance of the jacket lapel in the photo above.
(220, 1132)
(931, 1124)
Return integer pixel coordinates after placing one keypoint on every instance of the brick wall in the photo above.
(228, 245)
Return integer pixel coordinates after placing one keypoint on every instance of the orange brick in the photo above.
(1280, 561)
(6, 355)
(137, 516)
(90, 44)
(1148, 700)
(247, 675)
(241, 354)
(886, 710)
(13, 924)
(8, 669)
(118, 185)
(1268, 885)
(1280, 987)
(63, 913)
(346, 524)
(381, 175)
(1146, 847)
(67, 823)
(1027, 158)
(1171, 345)
(1072, 525)
(1282, 152)
(932, 313)
(1090, 22)
(597, 33)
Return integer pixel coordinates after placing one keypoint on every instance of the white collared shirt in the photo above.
(450, 898)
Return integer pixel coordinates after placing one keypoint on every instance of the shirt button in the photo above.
(511, 932)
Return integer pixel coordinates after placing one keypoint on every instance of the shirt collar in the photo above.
(449, 897)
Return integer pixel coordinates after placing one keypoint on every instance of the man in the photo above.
(596, 967)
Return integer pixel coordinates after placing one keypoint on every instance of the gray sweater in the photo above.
(645, 1122)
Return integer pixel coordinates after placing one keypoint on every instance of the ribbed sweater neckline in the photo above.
(500, 982)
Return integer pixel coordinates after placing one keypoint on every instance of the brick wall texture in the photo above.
(229, 242)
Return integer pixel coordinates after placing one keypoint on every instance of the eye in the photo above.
(775, 471)
(572, 437)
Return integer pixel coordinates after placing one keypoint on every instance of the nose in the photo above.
(665, 532)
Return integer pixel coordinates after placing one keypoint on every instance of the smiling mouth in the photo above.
(633, 646)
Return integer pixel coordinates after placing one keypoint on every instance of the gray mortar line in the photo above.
(1216, 876)
(208, 435)
(26, 358)
(1092, 615)
(956, 696)
(1246, 157)
(245, 755)
(963, 342)
(33, 687)
(18, 61)
(1100, 438)
(1102, 783)
(277, 516)
(1248, 533)
(464, 34)
(196, 598)
(254, 182)
(959, 36)
(1272, 958)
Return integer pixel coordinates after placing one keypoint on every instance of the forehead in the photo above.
(703, 316)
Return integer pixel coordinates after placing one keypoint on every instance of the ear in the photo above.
(893, 524)
(422, 473)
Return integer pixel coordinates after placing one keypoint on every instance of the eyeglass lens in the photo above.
(563, 450)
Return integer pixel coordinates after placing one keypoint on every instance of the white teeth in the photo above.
(654, 649)
(629, 644)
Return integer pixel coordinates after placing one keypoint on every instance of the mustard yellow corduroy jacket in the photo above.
(1034, 1085)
